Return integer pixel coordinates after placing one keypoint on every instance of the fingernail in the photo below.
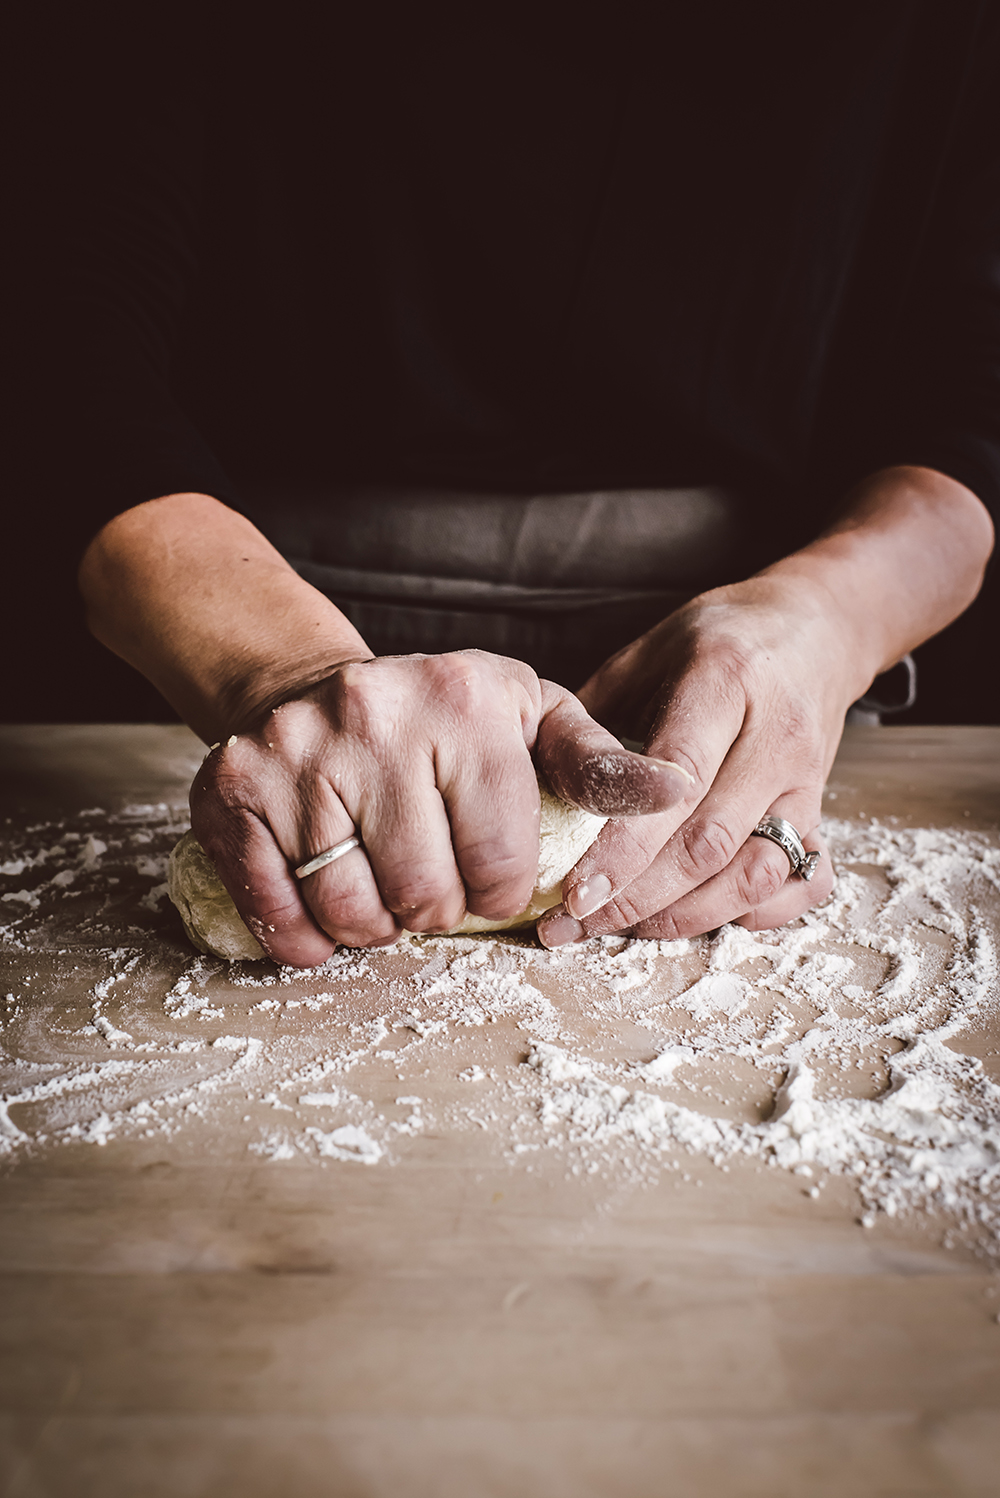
(559, 931)
(671, 764)
(584, 898)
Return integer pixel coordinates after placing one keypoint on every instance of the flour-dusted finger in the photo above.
(493, 806)
(758, 875)
(261, 885)
(796, 896)
(636, 865)
(610, 887)
(452, 813)
(306, 815)
(585, 765)
(408, 844)
(343, 896)
(233, 797)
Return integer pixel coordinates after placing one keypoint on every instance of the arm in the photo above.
(430, 757)
(749, 684)
(191, 594)
(747, 688)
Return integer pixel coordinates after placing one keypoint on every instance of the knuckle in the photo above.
(359, 696)
(352, 920)
(796, 726)
(347, 908)
(344, 937)
(664, 926)
(619, 914)
(435, 919)
(500, 897)
(496, 904)
(707, 845)
(265, 917)
(492, 864)
(224, 827)
(718, 654)
(372, 698)
(695, 767)
(352, 674)
(760, 880)
(413, 898)
(221, 781)
(230, 789)
(287, 731)
(666, 747)
(463, 682)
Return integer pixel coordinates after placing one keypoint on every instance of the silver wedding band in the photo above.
(329, 855)
(788, 840)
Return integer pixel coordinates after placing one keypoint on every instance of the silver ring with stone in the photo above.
(788, 840)
(329, 855)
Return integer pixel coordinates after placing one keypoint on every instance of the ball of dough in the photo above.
(210, 918)
(213, 924)
(564, 835)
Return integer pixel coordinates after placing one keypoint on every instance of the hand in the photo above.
(746, 689)
(429, 759)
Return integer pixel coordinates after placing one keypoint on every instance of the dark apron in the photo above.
(560, 581)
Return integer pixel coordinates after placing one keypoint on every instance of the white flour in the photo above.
(843, 1045)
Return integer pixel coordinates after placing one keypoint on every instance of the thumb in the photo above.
(586, 765)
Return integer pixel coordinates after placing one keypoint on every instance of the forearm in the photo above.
(905, 557)
(193, 595)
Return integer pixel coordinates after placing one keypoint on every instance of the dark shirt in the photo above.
(496, 248)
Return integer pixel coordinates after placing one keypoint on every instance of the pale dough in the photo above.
(210, 918)
(213, 925)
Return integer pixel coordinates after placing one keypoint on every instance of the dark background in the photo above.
(53, 671)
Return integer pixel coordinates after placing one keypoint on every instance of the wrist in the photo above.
(249, 695)
(192, 595)
(905, 557)
(804, 606)
(230, 675)
(826, 597)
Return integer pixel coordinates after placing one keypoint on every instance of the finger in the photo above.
(493, 805)
(584, 764)
(255, 872)
(620, 879)
(407, 837)
(705, 846)
(304, 817)
(759, 877)
(435, 787)
(343, 896)
(307, 816)
(755, 875)
(796, 896)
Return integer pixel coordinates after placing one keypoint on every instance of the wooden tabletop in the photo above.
(208, 1288)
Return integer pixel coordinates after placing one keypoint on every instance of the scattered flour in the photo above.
(347, 1143)
(843, 1045)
